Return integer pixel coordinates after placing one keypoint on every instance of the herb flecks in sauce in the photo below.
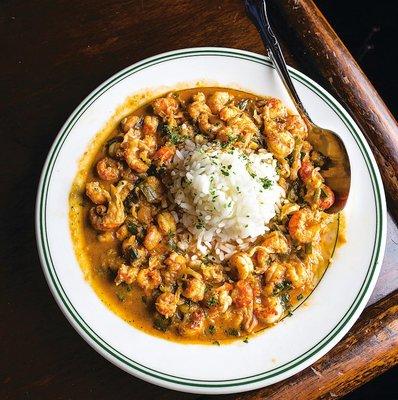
(159, 289)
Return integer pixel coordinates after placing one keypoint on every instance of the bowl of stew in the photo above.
(183, 229)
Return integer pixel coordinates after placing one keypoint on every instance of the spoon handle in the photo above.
(257, 11)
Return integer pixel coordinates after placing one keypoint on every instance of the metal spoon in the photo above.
(338, 173)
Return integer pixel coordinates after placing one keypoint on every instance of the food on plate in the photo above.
(202, 217)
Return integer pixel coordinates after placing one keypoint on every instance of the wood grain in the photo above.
(54, 52)
(370, 349)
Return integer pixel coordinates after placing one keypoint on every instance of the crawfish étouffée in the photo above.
(127, 232)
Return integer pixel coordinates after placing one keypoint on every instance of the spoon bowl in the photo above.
(337, 172)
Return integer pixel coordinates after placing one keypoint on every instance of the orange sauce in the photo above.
(129, 304)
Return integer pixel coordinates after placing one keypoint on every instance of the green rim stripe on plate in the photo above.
(242, 378)
(57, 286)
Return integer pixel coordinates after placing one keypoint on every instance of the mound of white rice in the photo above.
(226, 196)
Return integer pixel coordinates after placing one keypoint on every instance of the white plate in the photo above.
(279, 352)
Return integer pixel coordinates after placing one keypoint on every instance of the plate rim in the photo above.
(188, 384)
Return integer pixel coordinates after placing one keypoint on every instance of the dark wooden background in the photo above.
(369, 40)
(53, 53)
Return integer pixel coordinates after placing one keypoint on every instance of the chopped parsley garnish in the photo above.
(216, 342)
(300, 297)
(266, 183)
(225, 169)
(246, 340)
(212, 329)
(282, 286)
(232, 332)
(174, 133)
(212, 302)
(213, 195)
(231, 139)
(285, 300)
(200, 224)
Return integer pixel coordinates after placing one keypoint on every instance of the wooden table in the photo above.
(54, 52)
